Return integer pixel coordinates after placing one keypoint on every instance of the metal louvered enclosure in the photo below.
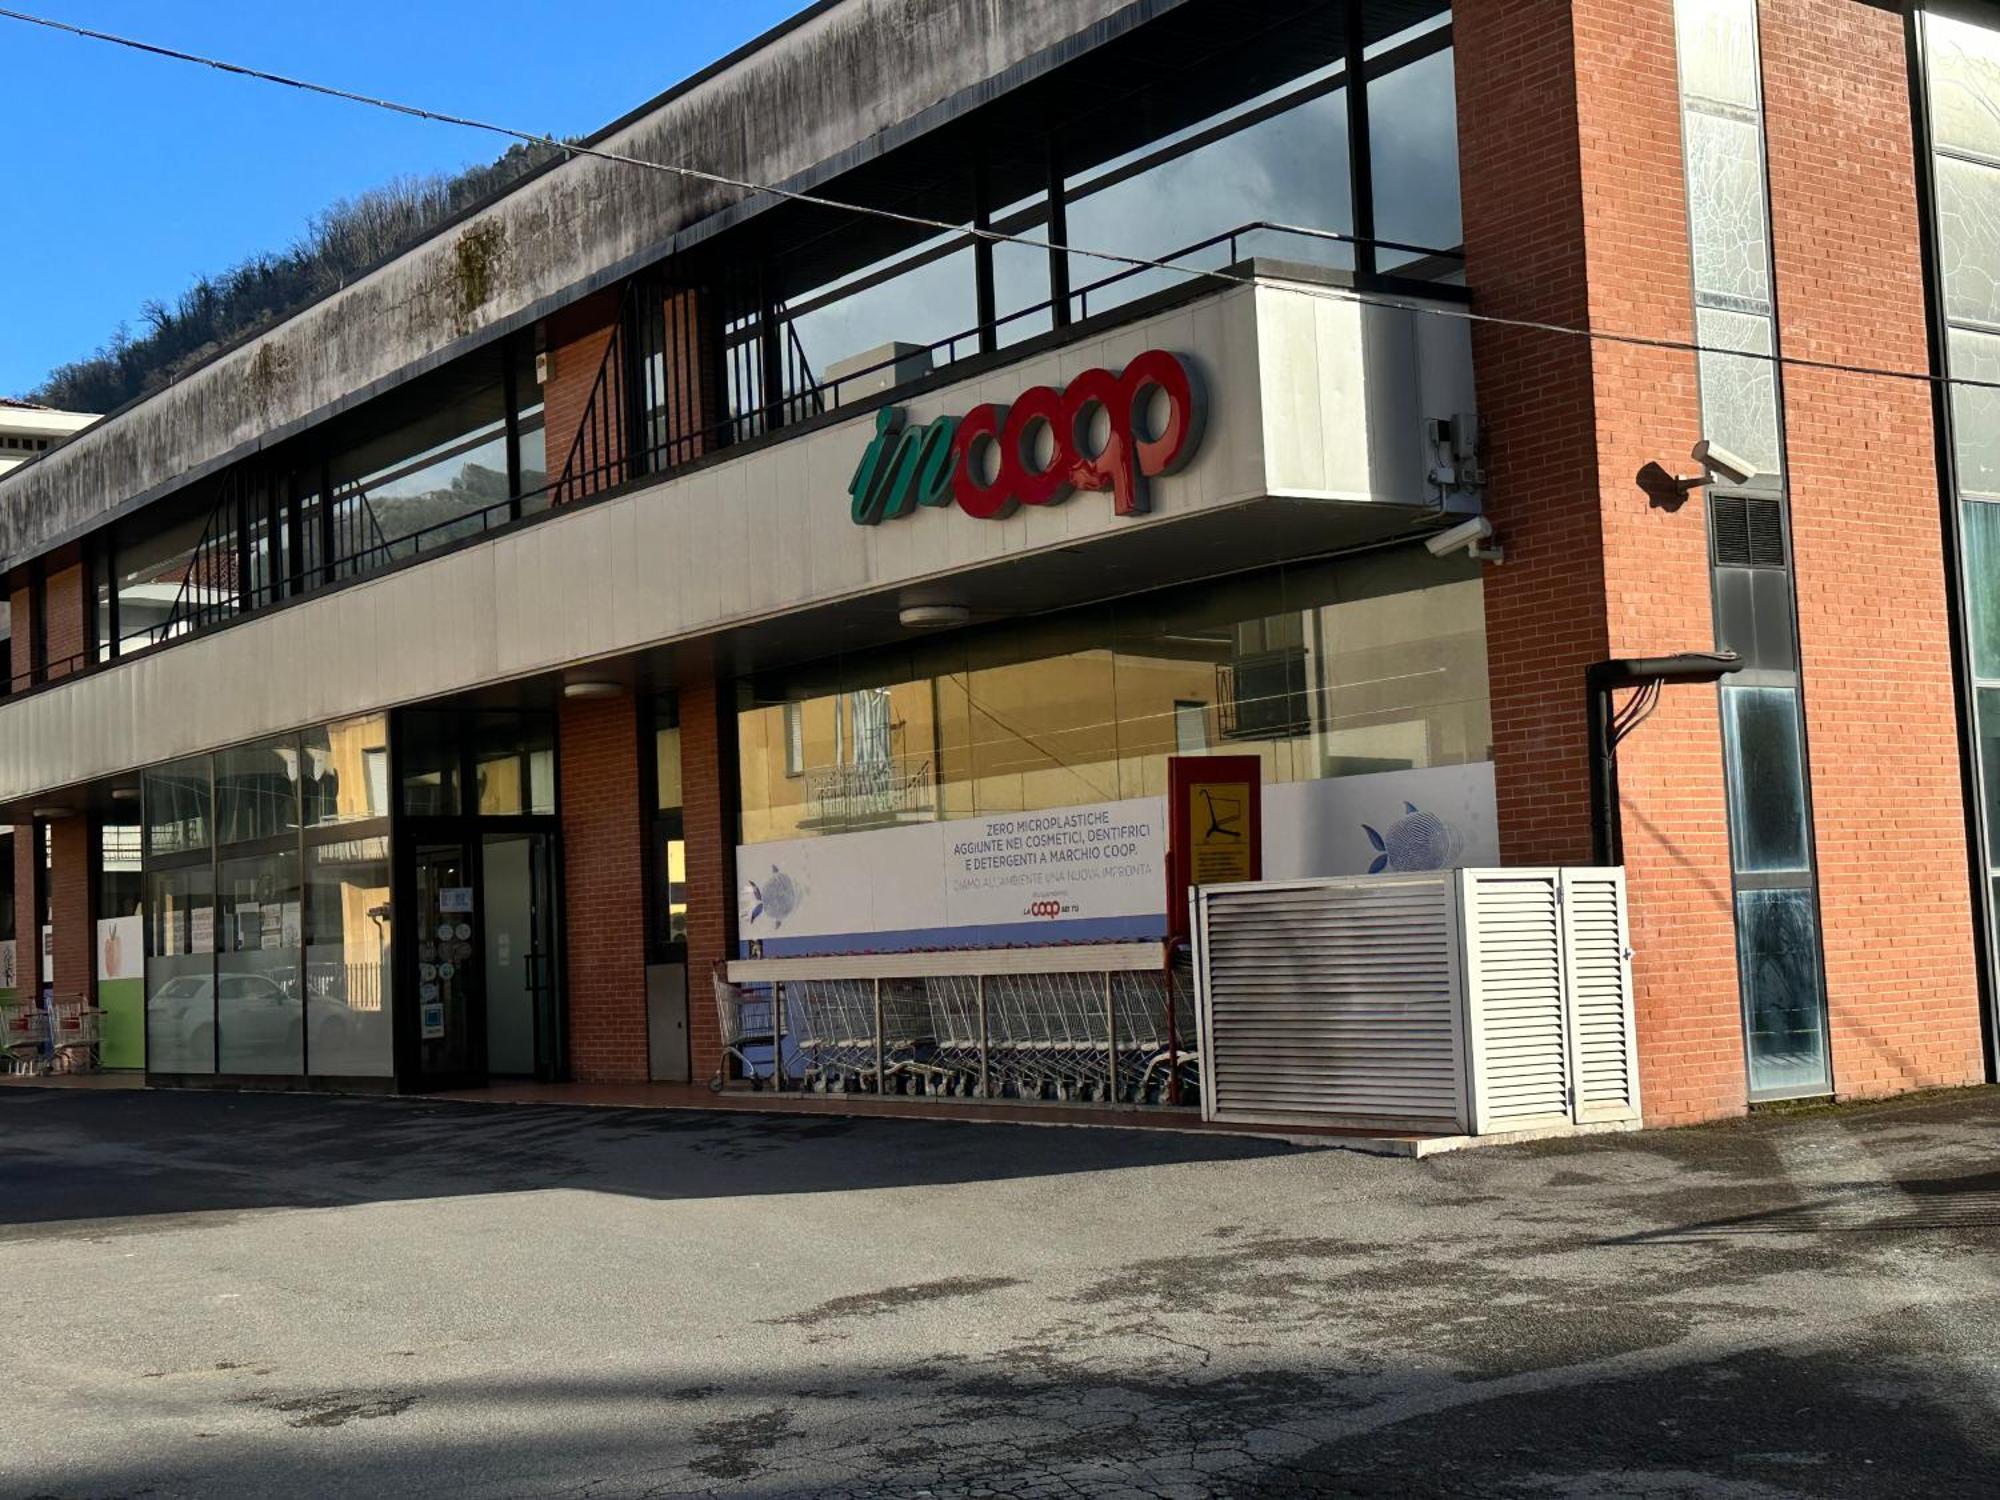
(1462, 1002)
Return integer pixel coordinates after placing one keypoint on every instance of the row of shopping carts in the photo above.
(1100, 1037)
(59, 1037)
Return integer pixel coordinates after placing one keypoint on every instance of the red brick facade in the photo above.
(1874, 599)
(576, 340)
(603, 889)
(1575, 214)
(72, 910)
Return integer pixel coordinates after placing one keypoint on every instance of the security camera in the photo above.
(1468, 535)
(1719, 460)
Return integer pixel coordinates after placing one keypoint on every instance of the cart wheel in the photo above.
(715, 1084)
(756, 1083)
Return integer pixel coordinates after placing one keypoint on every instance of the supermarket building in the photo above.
(640, 571)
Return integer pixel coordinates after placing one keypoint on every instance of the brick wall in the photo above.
(1575, 214)
(27, 914)
(708, 781)
(67, 603)
(576, 338)
(1873, 593)
(20, 620)
(603, 890)
(72, 909)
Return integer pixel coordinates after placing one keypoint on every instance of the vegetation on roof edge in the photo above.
(340, 243)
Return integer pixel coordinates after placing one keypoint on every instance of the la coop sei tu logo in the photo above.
(1102, 432)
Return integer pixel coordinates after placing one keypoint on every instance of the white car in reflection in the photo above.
(260, 1022)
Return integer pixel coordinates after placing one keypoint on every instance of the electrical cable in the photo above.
(992, 236)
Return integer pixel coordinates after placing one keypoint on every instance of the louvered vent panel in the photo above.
(1767, 533)
(1514, 980)
(1603, 1043)
(1333, 1002)
(1748, 533)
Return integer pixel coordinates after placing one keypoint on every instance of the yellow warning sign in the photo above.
(1218, 832)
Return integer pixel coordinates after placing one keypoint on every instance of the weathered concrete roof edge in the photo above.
(837, 84)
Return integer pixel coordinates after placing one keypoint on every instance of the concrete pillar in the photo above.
(708, 786)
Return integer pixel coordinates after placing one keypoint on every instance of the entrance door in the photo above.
(523, 1029)
(450, 1044)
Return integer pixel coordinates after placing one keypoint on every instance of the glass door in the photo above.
(523, 1030)
(450, 1041)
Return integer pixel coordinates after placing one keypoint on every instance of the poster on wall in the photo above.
(7, 979)
(1095, 873)
(201, 930)
(121, 992)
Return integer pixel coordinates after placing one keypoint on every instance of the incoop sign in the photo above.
(1092, 435)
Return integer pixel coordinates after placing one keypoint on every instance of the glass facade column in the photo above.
(1767, 780)
(1959, 58)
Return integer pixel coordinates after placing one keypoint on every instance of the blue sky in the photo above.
(142, 173)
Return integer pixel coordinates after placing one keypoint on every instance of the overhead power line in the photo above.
(993, 236)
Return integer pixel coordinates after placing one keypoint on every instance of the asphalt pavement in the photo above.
(222, 1295)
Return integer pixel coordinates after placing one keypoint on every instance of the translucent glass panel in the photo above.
(1739, 395)
(260, 1022)
(1413, 146)
(1783, 1024)
(1969, 239)
(1726, 209)
(514, 762)
(1717, 40)
(179, 805)
(1326, 670)
(257, 791)
(349, 959)
(1964, 85)
(1975, 410)
(1988, 715)
(180, 970)
(1766, 779)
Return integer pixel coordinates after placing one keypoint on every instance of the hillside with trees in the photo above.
(339, 244)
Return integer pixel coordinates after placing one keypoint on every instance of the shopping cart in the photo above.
(75, 1029)
(745, 1016)
(832, 1023)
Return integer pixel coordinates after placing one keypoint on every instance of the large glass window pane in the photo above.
(178, 806)
(849, 336)
(1964, 84)
(349, 959)
(1726, 209)
(430, 764)
(429, 481)
(180, 970)
(1290, 169)
(1987, 712)
(155, 568)
(1413, 144)
(514, 758)
(257, 791)
(531, 428)
(1717, 41)
(1980, 523)
(259, 1016)
(1766, 779)
(346, 771)
(667, 753)
(1782, 1018)
(1969, 239)
(1975, 409)
(1739, 395)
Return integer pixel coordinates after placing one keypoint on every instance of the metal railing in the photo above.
(1107, 1024)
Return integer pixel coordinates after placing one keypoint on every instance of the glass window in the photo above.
(430, 764)
(432, 480)
(160, 563)
(667, 753)
(1726, 209)
(346, 771)
(1980, 522)
(1968, 208)
(1766, 778)
(349, 960)
(258, 1016)
(514, 758)
(1413, 150)
(1976, 409)
(1290, 169)
(531, 428)
(1988, 714)
(1739, 396)
(923, 296)
(257, 791)
(1965, 84)
(1332, 669)
(180, 970)
(1782, 1017)
(1717, 41)
(178, 802)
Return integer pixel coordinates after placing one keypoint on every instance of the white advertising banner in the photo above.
(1095, 873)
(121, 948)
